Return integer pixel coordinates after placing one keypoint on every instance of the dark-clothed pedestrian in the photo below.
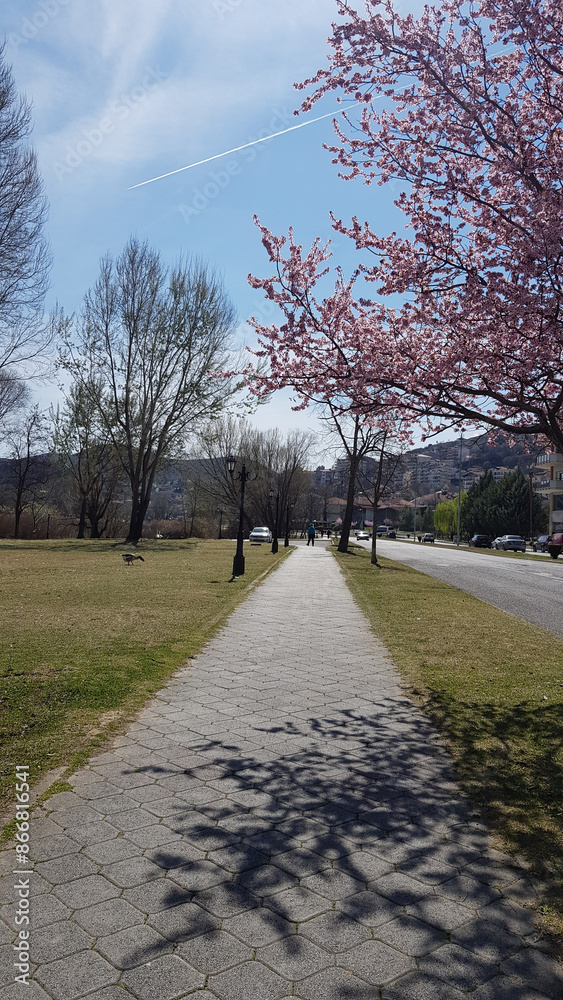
(311, 534)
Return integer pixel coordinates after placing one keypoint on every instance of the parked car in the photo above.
(391, 533)
(480, 542)
(428, 537)
(381, 530)
(512, 543)
(496, 543)
(540, 544)
(260, 535)
(363, 536)
(555, 544)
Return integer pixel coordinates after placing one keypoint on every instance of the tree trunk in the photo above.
(135, 527)
(374, 536)
(82, 519)
(138, 513)
(349, 512)
(95, 528)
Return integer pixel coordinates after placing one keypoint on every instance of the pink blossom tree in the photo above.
(319, 351)
(469, 119)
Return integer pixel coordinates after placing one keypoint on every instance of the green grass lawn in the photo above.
(493, 684)
(84, 639)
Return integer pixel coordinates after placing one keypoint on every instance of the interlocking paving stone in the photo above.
(410, 936)
(182, 922)
(297, 903)
(458, 967)
(284, 815)
(487, 939)
(57, 940)
(76, 975)
(66, 868)
(86, 891)
(417, 986)
(506, 988)
(32, 992)
(251, 979)
(108, 916)
(163, 979)
(335, 984)
(111, 850)
(259, 926)
(445, 914)
(134, 871)
(47, 909)
(215, 951)
(133, 946)
(333, 884)
(376, 962)
(334, 931)
(295, 957)
(535, 969)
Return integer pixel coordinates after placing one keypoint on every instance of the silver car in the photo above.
(260, 535)
(511, 543)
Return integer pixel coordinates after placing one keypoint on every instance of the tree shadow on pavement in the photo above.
(338, 824)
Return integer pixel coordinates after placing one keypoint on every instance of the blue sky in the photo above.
(124, 90)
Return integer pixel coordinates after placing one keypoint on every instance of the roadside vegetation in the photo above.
(493, 685)
(85, 639)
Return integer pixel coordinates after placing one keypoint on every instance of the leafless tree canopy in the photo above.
(277, 465)
(24, 256)
(146, 351)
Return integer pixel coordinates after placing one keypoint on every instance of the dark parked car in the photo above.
(391, 533)
(540, 544)
(480, 542)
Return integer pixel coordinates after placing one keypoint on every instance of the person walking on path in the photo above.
(311, 534)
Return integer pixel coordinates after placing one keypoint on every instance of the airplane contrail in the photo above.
(245, 145)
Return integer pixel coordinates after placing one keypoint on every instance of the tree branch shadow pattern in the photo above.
(335, 831)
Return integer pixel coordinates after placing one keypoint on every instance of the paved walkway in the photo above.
(280, 822)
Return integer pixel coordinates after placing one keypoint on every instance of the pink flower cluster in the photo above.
(469, 117)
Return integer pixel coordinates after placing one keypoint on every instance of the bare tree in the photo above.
(24, 255)
(147, 350)
(277, 465)
(14, 394)
(377, 485)
(84, 450)
(360, 437)
(30, 466)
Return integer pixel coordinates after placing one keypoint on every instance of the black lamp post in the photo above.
(275, 531)
(287, 510)
(238, 561)
(220, 513)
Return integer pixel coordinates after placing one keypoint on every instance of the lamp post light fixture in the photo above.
(238, 561)
(220, 513)
(275, 531)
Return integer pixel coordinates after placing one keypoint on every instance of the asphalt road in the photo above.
(530, 588)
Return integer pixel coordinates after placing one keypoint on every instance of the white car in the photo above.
(260, 535)
(362, 536)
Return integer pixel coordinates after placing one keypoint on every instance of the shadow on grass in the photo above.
(511, 760)
(338, 824)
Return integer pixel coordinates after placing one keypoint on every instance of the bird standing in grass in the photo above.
(129, 557)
